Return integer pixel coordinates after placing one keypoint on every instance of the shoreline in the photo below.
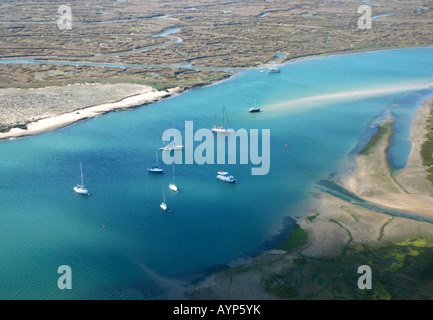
(52, 123)
(414, 175)
(408, 190)
(63, 120)
(337, 53)
(335, 226)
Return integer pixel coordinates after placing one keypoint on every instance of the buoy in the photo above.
(286, 145)
(103, 225)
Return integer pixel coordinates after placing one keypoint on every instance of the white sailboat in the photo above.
(173, 186)
(254, 109)
(163, 205)
(221, 129)
(79, 188)
(156, 169)
(172, 146)
(274, 68)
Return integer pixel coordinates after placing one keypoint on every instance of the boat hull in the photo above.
(224, 176)
(171, 148)
(228, 180)
(274, 70)
(79, 189)
(155, 170)
(222, 130)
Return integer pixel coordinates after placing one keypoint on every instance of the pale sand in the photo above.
(148, 95)
(299, 103)
(413, 176)
(372, 181)
(338, 223)
(372, 178)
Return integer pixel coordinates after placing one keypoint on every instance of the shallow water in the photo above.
(145, 253)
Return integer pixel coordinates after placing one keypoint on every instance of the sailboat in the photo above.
(274, 68)
(79, 188)
(254, 109)
(163, 205)
(173, 186)
(221, 129)
(172, 146)
(156, 169)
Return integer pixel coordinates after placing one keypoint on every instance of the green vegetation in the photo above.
(4, 128)
(394, 177)
(381, 131)
(277, 286)
(40, 76)
(313, 216)
(401, 270)
(297, 238)
(348, 233)
(427, 147)
(382, 229)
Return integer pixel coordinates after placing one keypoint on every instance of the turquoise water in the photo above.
(145, 253)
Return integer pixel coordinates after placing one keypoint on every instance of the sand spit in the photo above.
(145, 95)
(343, 235)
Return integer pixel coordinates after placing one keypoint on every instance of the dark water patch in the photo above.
(288, 225)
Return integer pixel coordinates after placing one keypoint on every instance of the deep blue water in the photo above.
(145, 253)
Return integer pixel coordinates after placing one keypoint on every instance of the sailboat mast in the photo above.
(228, 122)
(82, 178)
(174, 178)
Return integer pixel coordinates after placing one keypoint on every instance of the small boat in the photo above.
(221, 129)
(163, 205)
(224, 176)
(79, 188)
(172, 146)
(274, 69)
(254, 109)
(156, 169)
(173, 186)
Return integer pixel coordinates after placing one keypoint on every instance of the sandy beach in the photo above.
(339, 230)
(410, 191)
(146, 95)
